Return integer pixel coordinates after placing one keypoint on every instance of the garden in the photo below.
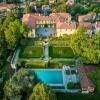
(60, 63)
(35, 64)
(31, 52)
(61, 52)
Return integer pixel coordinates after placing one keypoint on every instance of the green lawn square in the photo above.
(61, 52)
(31, 52)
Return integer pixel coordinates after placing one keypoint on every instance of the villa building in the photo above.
(87, 18)
(56, 24)
(7, 7)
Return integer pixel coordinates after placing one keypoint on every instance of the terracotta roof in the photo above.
(87, 17)
(7, 6)
(98, 24)
(31, 19)
(69, 25)
(58, 18)
(84, 80)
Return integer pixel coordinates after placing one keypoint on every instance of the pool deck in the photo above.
(66, 79)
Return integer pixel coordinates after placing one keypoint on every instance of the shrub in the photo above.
(73, 72)
(54, 64)
(72, 85)
(59, 64)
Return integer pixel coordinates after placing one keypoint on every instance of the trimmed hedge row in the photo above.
(57, 87)
(42, 64)
(35, 64)
(72, 85)
(59, 64)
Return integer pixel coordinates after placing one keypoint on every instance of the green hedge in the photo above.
(72, 85)
(54, 64)
(59, 64)
(57, 87)
(61, 52)
(31, 41)
(35, 64)
(31, 52)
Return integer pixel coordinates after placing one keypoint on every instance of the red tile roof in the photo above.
(89, 16)
(84, 80)
(58, 18)
(98, 24)
(69, 25)
(7, 6)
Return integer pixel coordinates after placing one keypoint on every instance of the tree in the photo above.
(28, 8)
(3, 46)
(59, 7)
(4, 1)
(42, 92)
(13, 34)
(88, 48)
(14, 30)
(77, 40)
(95, 77)
(20, 85)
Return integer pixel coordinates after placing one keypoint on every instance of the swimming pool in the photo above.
(50, 77)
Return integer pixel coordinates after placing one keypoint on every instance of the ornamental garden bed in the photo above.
(61, 52)
(31, 52)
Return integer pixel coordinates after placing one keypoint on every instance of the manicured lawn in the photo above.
(31, 52)
(60, 52)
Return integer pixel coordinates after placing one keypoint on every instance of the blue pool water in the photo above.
(49, 76)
